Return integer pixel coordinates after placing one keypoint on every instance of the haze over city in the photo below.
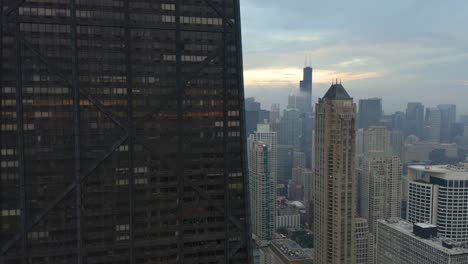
(400, 50)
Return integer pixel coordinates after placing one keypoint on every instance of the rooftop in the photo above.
(425, 225)
(436, 243)
(452, 172)
(290, 250)
(337, 92)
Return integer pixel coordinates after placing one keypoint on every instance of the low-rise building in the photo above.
(285, 251)
(400, 242)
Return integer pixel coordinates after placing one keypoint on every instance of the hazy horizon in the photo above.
(389, 50)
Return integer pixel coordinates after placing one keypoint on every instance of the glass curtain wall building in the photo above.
(122, 132)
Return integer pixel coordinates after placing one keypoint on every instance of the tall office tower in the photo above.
(306, 87)
(399, 242)
(414, 120)
(398, 121)
(275, 113)
(464, 119)
(370, 112)
(381, 178)
(448, 114)
(306, 83)
(364, 243)
(262, 189)
(432, 125)
(122, 132)
(252, 115)
(335, 178)
(439, 195)
(290, 131)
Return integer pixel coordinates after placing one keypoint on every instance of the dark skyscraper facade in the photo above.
(414, 120)
(306, 88)
(370, 112)
(306, 84)
(122, 132)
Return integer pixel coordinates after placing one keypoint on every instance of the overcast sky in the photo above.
(399, 50)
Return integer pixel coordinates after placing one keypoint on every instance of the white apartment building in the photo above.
(439, 195)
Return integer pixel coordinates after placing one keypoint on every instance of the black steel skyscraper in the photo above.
(122, 132)
(306, 84)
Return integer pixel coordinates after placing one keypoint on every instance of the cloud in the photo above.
(461, 82)
(399, 50)
(292, 76)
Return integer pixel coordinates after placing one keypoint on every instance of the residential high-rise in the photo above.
(381, 197)
(370, 112)
(262, 189)
(335, 178)
(414, 120)
(433, 125)
(448, 114)
(439, 195)
(264, 134)
(122, 133)
(400, 242)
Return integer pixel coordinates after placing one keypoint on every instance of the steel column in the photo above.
(225, 134)
(130, 128)
(76, 131)
(245, 172)
(179, 163)
(20, 129)
(60, 197)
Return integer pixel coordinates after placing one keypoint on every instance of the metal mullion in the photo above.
(220, 13)
(60, 197)
(213, 202)
(225, 139)
(13, 7)
(245, 173)
(130, 129)
(20, 135)
(1, 84)
(179, 163)
(76, 132)
(83, 91)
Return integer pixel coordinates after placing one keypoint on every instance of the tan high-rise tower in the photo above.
(335, 178)
(382, 178)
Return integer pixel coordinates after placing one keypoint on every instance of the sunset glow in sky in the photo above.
(401, 50)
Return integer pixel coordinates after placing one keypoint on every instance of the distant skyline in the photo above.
(401, 51)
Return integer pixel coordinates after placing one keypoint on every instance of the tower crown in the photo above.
(337, 92)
